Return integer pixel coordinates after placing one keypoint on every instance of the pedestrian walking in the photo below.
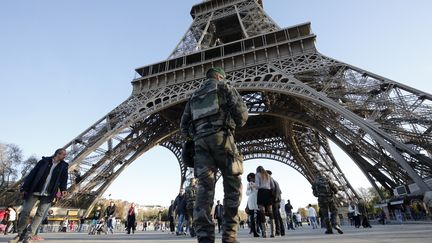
(190, 193)
(364, 213)
(171, 217)
(265, 199)
(312, 215)
(351, 212)
(65, 224)
(289, 214)
(252, 193)
(131, 219)
(47, 180)
(218, 215)
(10, 218)
(277, 198)
(81, 224)
(110, 216)
(180, 209)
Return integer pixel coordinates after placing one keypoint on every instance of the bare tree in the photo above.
(367, 194)
(4, 163)
(11, 157)
(28, 164)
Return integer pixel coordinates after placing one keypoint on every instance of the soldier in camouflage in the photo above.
(210, 118)
(325, 191)
(190, 192)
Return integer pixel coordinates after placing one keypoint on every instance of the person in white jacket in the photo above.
(351, 211)
(252, 193)
(356, 214)
(312, 216)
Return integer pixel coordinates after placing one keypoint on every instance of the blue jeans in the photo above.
(187, 225)
(313, 222)
(110, 224)
(44, 205)
(180, 223)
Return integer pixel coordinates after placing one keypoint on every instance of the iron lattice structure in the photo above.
(298, 100)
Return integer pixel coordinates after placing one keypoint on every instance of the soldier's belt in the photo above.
(206, 126)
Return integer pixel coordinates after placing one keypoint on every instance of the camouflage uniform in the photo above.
(190, 192)
(325, 191)
(210, 118)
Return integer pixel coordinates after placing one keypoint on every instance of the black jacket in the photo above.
(218, 208)
(35, 180)
(171, 210)
(288, 208)
(180, 204)
(110, 211)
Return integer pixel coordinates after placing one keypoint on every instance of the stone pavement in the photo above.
(412, 233)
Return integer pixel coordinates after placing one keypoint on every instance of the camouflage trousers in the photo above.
(189, 219)
(326, 205)
(213, 152)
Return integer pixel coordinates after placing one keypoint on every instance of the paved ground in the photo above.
(387, 233)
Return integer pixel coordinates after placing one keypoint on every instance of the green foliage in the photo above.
(371, 197)
(303, 212)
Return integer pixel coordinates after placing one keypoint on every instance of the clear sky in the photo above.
(65, 64)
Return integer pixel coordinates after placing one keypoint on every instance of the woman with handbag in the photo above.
(263, 182)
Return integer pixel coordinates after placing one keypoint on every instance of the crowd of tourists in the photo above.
(105, 222)
(358, 214)
(264, 218)
(264, 207)
(209, 121)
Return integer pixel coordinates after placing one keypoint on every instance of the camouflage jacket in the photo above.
(323, 188)
(232, 113)
(190, 193)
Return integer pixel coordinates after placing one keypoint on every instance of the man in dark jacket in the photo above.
(218, 214)
(277, 198)
(171, 216)
(288, 211)
(42, 184)
(110, 215)
(363, 213)
(180, 209)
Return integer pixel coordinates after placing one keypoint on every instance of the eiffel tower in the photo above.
(298, 99)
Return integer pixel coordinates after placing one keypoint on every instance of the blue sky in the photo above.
(65, 64)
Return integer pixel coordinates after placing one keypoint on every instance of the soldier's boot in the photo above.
(329, 227)
(16, 239)
(205, 241)
(192, 232)
(263, 230)
(20, 237)
(28, 238)
(272, 228)
(338, 228)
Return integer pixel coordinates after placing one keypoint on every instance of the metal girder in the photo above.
(302, 97)
(202, 33)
